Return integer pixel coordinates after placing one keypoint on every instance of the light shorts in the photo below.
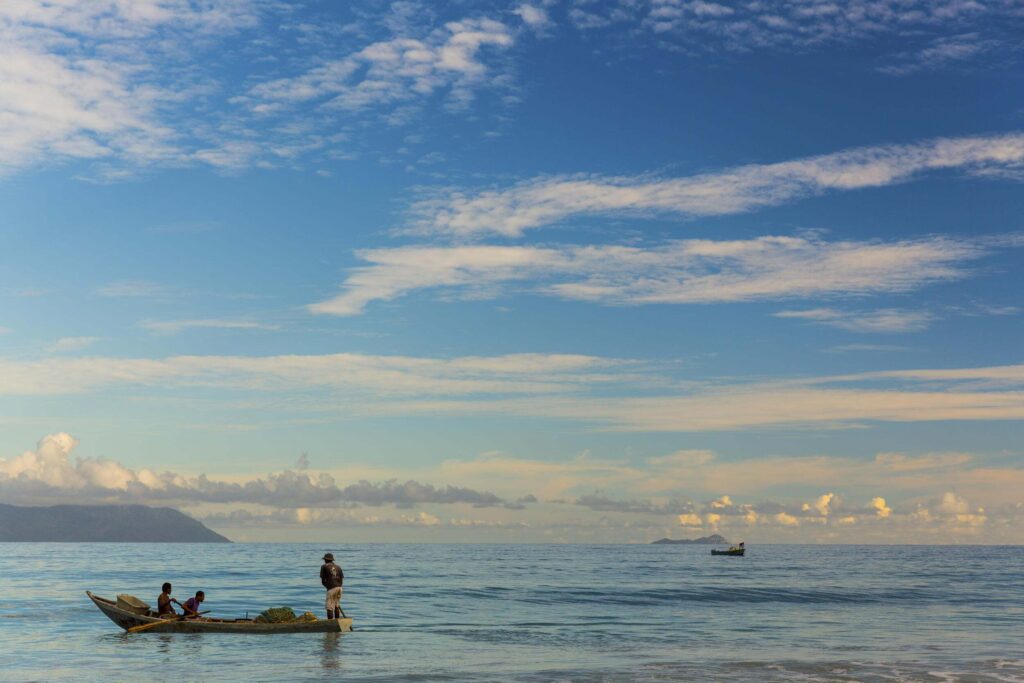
(333, 599)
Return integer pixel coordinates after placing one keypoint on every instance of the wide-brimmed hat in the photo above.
(329, 557)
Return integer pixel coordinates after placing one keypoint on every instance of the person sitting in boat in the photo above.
(191, 605)
(332, 579)
(163, 603)
(737, 547)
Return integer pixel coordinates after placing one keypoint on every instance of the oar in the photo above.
(153, 624)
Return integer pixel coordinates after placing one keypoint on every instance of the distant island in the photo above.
(714, 539)
(102, 523)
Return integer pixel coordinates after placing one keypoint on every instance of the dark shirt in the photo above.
(331, 575)
(191, 606)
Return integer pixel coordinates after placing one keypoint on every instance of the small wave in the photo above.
(718, 594)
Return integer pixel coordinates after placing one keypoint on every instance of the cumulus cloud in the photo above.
(545, 201)
(821, 505)
(690, 519)
(881, 509)
(533, 16)
(678, 272)
(48, 474)
(939, 518)
(51, 474)
(786, 519)
(842, 493)
(423, 519)
(667, 485)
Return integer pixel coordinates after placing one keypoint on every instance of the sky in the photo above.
(552, 271)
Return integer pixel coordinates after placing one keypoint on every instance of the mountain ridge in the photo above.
(102, 524)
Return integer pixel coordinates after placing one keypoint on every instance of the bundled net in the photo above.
(276, 615)
(281, 615)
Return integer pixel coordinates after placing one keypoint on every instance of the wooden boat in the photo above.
(737, 552)
(126, 619)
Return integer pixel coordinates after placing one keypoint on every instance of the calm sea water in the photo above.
(529, 613)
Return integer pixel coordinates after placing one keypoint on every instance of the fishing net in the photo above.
(276, 615)
(282, 615)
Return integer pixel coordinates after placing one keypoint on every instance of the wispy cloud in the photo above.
(679, 272)
(175, 326)
(884, 320)
(605, 393)
(534, 204)
(379, 375)
(829, 402)
(124, 86)
(847, 348)
(941, 52)
(938, 31)
(80, 82)
(396, 71)
(69, 344)
(132, 288)
(742, 408)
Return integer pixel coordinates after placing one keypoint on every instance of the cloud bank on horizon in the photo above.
(491, 262)
(299, 498)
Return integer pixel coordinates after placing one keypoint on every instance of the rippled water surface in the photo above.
(529, 613)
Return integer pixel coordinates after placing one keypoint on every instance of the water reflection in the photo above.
(331, 651)
(165, 644)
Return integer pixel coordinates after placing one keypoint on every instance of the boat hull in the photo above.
(734, 553)
(127, 620)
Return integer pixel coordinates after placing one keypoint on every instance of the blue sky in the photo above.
(568, 271)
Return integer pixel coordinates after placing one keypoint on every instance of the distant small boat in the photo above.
(738, 552)
(126, 617)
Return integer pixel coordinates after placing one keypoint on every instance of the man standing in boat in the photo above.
(332, 578)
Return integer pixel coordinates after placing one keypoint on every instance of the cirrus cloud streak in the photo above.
(538, 203)
(679, 272)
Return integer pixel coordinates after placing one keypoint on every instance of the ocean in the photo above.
(528, 613)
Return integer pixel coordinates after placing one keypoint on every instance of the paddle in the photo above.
(152, 624)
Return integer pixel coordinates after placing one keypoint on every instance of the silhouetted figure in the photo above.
(332, 578)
